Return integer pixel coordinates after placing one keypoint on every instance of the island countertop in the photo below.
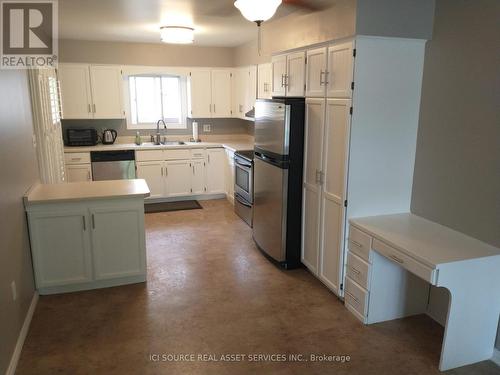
(88, 190)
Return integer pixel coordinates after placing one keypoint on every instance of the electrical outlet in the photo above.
(14, 290)
(207, 128)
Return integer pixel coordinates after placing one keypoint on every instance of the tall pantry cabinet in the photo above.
(362, 105)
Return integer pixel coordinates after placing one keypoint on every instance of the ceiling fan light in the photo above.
(177, 34)
(257, 10)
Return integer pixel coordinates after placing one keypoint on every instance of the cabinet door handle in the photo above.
(209, 158)
(355, 243)
(166, 172)
(93, 221)
(88, 176)
(282, 80)
(94, 108)
(396, 259)
(355, 270)
(321, 83)
(193, 168)
(76, 159)
(89, 108)
(162, 171)
(326, 78)
(352, 296)
(84, 223)
(214, 109)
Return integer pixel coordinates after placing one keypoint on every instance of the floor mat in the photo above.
(150, 208)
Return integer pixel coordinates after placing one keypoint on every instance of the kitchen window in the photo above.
(157, 97)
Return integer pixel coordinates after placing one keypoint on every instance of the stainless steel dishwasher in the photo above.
(113, 165)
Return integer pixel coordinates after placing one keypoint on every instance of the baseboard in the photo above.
(22, 336)
(496, 356)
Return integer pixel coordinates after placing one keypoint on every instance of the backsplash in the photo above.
(219, 126)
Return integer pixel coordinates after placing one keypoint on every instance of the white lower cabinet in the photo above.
(215, 171)
(230, 177)
(60, 243)
(78, 172)
(178, 178)
(153, 172)
(87, 244)
(108, 232)
(184, 172)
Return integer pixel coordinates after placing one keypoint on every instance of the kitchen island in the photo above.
(87, 235)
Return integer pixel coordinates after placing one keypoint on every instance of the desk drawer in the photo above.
(405, 261)
(358, 270)
(183, 154)
(77, 157)
(359, 243)
(149, 155)
(356, 297)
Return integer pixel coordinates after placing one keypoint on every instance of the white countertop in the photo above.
(236, 145)
(424, 240)
(76, 191)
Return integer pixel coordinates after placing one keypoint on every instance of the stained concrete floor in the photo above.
(210, 291)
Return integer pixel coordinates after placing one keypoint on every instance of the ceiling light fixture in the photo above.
(177, 34)
(257, 11)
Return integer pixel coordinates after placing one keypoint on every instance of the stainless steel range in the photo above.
(243, 185)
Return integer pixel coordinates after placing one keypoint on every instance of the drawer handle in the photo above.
(350, 295)
(355, 270)
(356, 243)
(396, 259)
(76, 159)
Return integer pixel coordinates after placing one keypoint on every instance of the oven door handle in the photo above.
(245, 165)
(242, 201)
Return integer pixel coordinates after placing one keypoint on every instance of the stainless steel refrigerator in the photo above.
(278, 167)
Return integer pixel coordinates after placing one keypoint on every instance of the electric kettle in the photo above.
(109, 136)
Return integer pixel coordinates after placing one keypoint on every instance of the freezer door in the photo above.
(272, 127)
(113, 170)
(269, 215)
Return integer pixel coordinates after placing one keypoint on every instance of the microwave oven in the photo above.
(81, 137)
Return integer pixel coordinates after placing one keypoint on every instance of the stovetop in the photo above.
(245, 154)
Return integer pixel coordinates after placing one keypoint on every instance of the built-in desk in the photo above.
(393, 260)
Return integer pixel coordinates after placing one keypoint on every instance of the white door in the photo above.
(216, 159)
(340, 70)
(315, 72)
(315, 116)
(335, 156)
(278, 71)
(178, 178)
(76, 94)
(200, 94)
(78, 172)
(154, 174)
(61, 247)
(264, 81)
(117, 242)
(198, 177)
(296, 71)
(221, 93)
(107, 90)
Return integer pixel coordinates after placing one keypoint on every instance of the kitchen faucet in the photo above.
(157, 137)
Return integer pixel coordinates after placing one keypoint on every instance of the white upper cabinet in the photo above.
(264, 78)
(221, 93)
(278, 71)
(76, 94)
(316, 72)
(200, 93)
(91, 91)
(244, 90)
(340, 70)
(106, 83)
(295, 77)
(288, 74)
